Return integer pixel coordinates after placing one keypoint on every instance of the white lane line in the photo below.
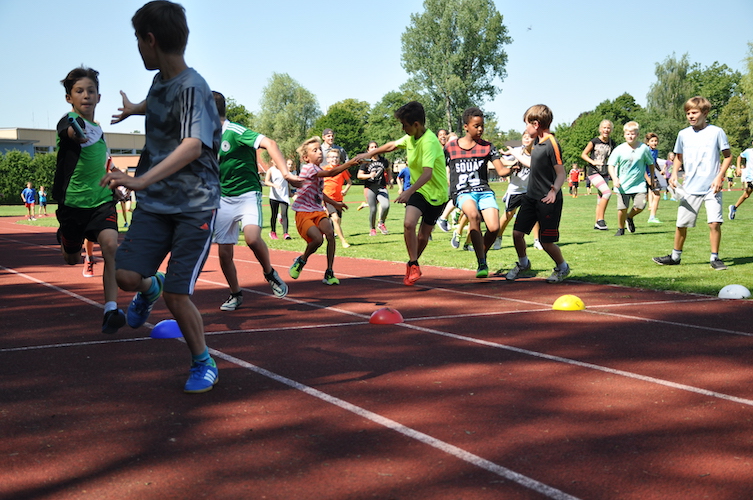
(442, 446)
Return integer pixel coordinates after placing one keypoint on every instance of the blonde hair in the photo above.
(303, 149)
(540, 113)
(602, 122)
(632, 125)
(698, 102)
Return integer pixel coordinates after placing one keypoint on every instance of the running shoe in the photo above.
(558, 275)
(514, 273)
(601, 225)
(296, 268)
(412, 274)
(732, 212)
(653, 220)
(372, 232)
(382, 228)
(620, 232)
(279, 288)
(88, 270)
(667, 260)
(630, 224)
(468, 247)
(141, 306)
(482, 271)
(455, 240)
(286, 236)
(497, 243)
(273, 236)
(114, 320)
(362, 206)
(718, 265)
(537, 244)
(202, 377)
(329, 278)
(232, 303)
(443, 224)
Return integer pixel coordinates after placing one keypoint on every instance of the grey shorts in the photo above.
(690, 205)
(186, 237)
(623, 201)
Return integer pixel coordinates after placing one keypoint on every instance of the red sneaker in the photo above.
(412, 274)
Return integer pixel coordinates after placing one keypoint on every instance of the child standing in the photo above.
(657, 181)
(698, 149)
(336, 187)
(29, 198)
(428, 193)
(86, 209)
(596, 154)
(627, 167)
(375, 176)
(574, 178)
(467, 160)
(177, 183)
(543, 200)
(42, 201)
(310, 216)
(279, 200)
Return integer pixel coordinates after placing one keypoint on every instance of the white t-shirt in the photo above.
(282, 194)
(701, 151)
(519, 180)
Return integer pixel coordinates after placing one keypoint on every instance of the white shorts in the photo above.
(690, 204)
(245, 209)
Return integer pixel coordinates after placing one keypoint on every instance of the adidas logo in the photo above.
(210, 376)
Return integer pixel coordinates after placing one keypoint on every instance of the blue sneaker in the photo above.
(140, 308)
(202, 378)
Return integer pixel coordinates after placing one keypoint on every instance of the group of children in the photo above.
(197, 182)
(29, 197)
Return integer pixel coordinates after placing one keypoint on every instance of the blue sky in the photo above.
(562, 60)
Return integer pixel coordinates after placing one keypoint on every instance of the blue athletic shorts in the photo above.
(482, 199)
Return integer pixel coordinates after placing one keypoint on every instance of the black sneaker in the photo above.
(601, 225)
(630, 224)
(113, 321)
(718, 265)
(620, 232)
(667, 260)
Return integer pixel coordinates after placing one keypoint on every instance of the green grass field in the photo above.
(594, 256)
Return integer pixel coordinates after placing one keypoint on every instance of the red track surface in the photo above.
(484, 392)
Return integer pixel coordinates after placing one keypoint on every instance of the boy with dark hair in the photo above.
(86, 209)
(29, 198)
(240, 202)
(543, 200)
(698, 149)
(427, 195)
(467, 160)
(177, 185)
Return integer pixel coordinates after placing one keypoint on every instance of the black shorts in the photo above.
(79, 223)
(429, 213)
(513, 201)
(548, 216)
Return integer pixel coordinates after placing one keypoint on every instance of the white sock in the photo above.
(110, 306)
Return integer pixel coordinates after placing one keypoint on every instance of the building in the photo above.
(124, 148)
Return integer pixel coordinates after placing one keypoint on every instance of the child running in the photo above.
(596, 154)
(543, 200)
(467, 160)
(86, 210)
(177, 183)
(310, 215)
(744, 170)
(427, 195)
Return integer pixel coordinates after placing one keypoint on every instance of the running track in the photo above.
(484, 392)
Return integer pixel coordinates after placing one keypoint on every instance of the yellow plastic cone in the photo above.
(568, 303)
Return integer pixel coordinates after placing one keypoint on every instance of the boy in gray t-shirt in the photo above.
(177, 185)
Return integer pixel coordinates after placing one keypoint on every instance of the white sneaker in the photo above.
(537, 245)
(558, 275)
(232, 303)
(497, 243)
(514, 273)
(279, 288)
(443, 224)
(455, 241)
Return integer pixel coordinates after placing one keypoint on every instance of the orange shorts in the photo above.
(306, 220)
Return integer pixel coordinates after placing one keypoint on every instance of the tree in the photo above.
(382, 126)
(348, 119)
(671, 89)
(237, 113)
(717, 83)
(454, 51)
(746, 86)
(733, 119)
(288, 111)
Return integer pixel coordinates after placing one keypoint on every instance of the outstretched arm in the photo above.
(128, 109)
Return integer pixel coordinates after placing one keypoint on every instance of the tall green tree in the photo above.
(671, 89)
(382, 126)
(238, 113)
(717, 83)
(734, 121)
(287, 113)
(455, 51)
(348, 119)
(746, 86)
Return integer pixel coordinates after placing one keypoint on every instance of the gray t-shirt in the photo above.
(176, 109)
